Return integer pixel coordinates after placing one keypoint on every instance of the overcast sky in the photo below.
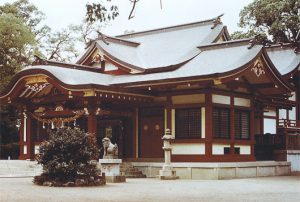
(148, 15)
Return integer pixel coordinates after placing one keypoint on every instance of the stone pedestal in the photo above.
(111, 169)
(167, 172)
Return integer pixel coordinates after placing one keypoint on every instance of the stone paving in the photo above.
(273, 189)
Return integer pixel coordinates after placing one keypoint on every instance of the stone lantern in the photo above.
(167, 172)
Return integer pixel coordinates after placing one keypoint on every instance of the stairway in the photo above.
(129, 171)
(19, 168)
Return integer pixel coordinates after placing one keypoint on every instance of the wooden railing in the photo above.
(279, 141)
(288, 123)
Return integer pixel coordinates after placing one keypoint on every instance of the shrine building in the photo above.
(223, 100)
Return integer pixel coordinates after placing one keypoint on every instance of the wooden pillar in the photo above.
(232, 126)
(22, 157)
(26, 144)
(135, 139)
(252, 132)
(209, 124)
(298, 98)
(92, 121)
(169, 114)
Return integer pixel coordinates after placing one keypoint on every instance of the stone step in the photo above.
(131, 172)
(136, 176)
(19, 168)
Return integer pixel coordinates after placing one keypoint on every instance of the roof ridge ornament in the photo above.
(102, 37)
(253, 42)
(217, 21)
(39, 61)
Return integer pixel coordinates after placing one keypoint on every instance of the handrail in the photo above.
(288, 123)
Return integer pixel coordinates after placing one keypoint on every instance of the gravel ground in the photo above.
(142, 190)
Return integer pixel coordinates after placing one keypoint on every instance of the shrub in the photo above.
(68, 157)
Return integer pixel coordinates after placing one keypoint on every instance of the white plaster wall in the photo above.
(185, 148)
(295, 161)
(36, 149)
(242, 102)
(244, 149)
(269, 126)
(218, 149)
(25, 149)
(293, 97)
(282, 114)
(109, 66)
(221, 99)
(292, 114)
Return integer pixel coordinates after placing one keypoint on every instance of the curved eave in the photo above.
(276, 73)
(41, 72)
(139, 70)
(121, 64)
(211, 78)
(19, 80)
(218, 77)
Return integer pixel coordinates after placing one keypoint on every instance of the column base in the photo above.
(167, 173)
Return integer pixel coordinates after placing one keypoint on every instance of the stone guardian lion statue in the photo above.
(110, 150)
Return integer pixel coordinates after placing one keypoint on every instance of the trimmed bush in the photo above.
(67, 158)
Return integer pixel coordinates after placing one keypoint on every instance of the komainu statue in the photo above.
(110, 150)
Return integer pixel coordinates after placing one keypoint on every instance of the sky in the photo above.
(148, 13)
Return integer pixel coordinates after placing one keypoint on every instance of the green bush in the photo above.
(68, 156)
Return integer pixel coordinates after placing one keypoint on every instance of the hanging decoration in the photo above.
(61, 120)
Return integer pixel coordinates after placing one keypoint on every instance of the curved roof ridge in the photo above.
(203, 22)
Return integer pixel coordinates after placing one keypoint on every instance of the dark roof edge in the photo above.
(169, 27)
(225, 43)
(40, 61)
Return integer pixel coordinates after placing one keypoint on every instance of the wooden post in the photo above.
(92, 125)
(22, 157)
(208, 126)
(232, 126)
(252, 132)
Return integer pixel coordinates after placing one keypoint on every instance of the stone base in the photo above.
(167, 173)
(218, 171)
(115, 179)
(111, 169)
(168, 177)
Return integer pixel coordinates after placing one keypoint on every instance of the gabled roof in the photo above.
(214, 59)
(284, 58)
(165, 47)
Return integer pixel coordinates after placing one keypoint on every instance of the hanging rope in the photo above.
(77, 115)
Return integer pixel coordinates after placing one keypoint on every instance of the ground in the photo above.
(273, 189)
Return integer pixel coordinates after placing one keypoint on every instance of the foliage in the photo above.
(279, 20)
(60, 46)
(68, 155)
(15, 38)
(9, 135)
(101, 11)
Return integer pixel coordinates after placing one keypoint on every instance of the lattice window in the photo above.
(221, 122)
(188, 123)
(242, 124)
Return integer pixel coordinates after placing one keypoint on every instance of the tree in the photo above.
(60, 46)
(67, 158)
(279, 21)
(15, 39)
